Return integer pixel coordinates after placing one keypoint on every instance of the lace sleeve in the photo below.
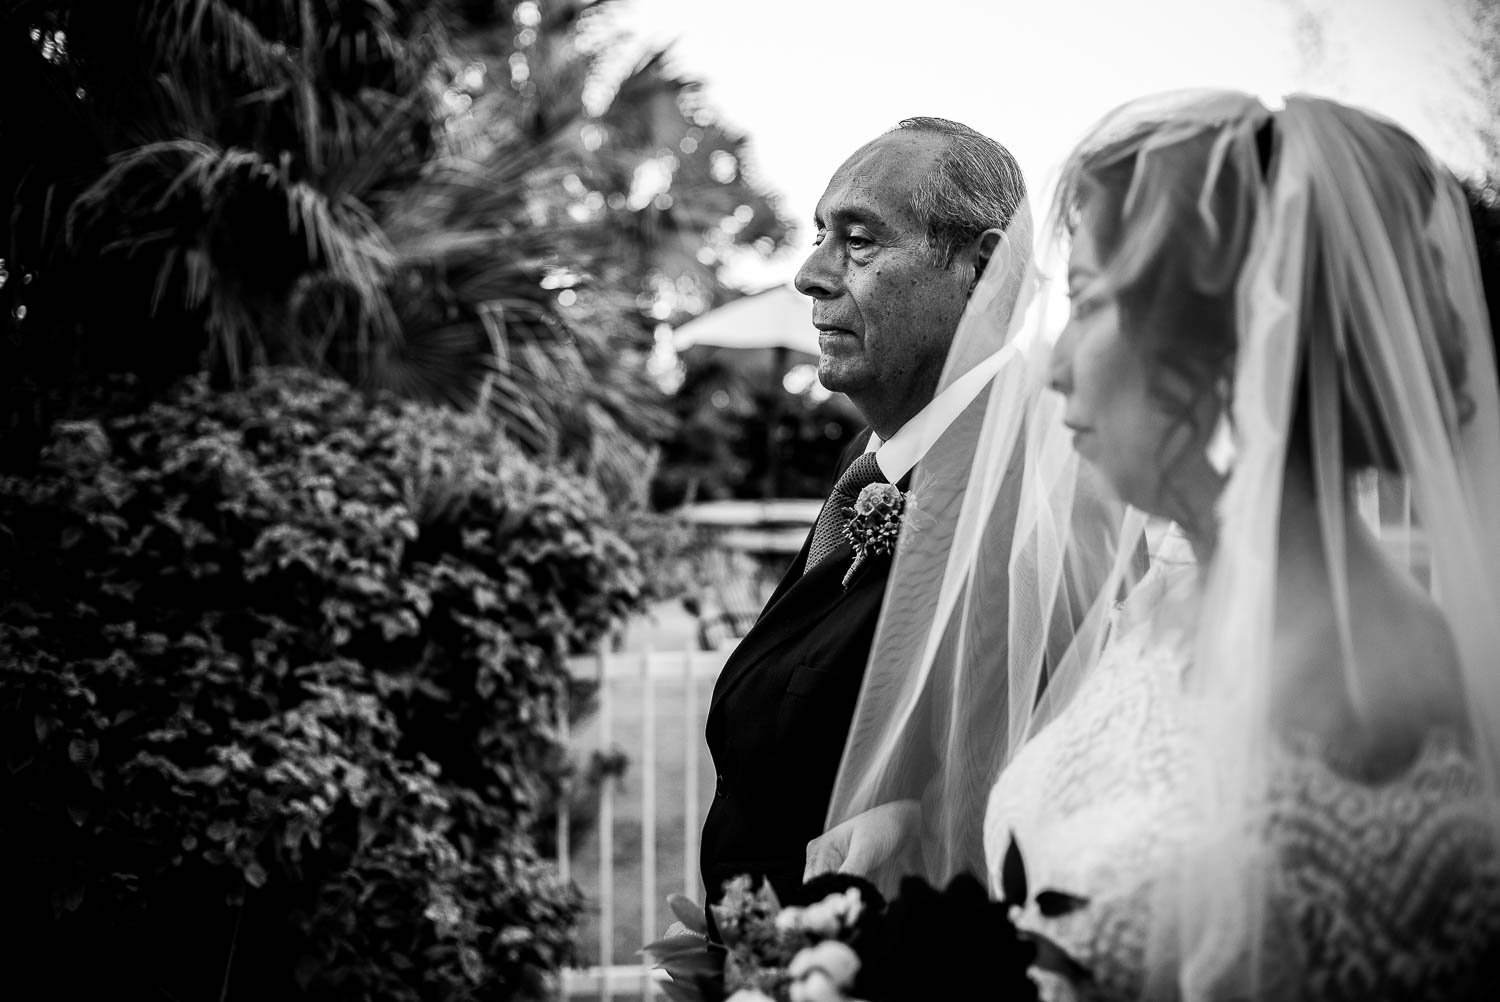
(1111, 947)
(1388, 890)
(1380, 891)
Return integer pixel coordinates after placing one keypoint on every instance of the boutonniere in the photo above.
(875, 523)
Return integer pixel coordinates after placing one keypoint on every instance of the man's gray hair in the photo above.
(977, 186)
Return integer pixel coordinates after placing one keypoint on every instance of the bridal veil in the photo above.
(990, 590)
(1362, 355)
(1364, 360)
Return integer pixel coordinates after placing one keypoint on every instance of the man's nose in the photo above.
(817, 277)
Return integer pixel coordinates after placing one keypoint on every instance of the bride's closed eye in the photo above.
(1084, 305)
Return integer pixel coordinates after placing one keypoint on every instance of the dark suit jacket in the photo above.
(781, 711)
(782, 707)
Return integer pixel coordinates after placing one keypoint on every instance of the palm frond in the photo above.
(358, 168)
(280, 181)
(198, 276)
(211, 31)
(340, 238)
(341, 235)
(449, 365)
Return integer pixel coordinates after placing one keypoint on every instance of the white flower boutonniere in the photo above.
(874, 523)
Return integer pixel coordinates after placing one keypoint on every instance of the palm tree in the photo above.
(346, 187)
(640, 196)
(221, 170)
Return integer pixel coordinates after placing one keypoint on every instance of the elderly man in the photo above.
(904, 230)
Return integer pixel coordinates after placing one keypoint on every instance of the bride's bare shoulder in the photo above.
(1412, 648)
(1406, 674)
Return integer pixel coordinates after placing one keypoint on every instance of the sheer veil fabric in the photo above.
(1361, 325)
(1362, 362)
(1342, 634)
(988, 589)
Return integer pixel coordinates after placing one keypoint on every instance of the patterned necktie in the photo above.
(829, 530)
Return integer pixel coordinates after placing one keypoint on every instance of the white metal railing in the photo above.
(797, 512)
(651, 705)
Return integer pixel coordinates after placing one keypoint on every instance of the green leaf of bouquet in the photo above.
(681, 953)
(689, 912)
(691, 962)
(676, 991)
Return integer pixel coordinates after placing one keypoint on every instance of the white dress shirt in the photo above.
(905, 449)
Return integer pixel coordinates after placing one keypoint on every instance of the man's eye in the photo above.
(818, 237)
(858, 243)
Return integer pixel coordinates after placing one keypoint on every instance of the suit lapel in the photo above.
(800, 599)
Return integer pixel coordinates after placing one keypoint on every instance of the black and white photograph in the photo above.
(817, 501)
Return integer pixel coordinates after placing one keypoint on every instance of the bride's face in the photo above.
(1148, 452)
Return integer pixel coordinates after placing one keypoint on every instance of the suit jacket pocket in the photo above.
(802, 704)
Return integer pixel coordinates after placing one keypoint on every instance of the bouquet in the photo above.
(838, 940)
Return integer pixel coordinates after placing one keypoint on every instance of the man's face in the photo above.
(886, 309)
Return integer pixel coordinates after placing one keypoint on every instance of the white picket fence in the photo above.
(643, 844)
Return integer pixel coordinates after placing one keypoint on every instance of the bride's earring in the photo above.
(1222, 450)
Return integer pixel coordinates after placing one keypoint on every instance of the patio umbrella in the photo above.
(779, 317)
(769, 333)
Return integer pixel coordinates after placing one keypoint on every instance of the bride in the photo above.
(1273, 769)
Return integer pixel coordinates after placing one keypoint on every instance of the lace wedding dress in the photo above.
(1385, 890)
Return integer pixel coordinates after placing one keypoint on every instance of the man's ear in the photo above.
(982, 249)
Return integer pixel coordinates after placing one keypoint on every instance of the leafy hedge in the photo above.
(278, 675)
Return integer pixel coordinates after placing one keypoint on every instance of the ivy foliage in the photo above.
(279, 676)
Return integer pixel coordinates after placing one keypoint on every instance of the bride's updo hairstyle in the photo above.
(1333, 315)
(1172, 204)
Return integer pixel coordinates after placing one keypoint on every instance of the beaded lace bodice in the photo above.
(1382, 891)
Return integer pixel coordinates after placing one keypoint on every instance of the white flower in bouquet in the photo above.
(835, 912)
(828, 918)
(823, 973)
(749, 995)
(816, 987)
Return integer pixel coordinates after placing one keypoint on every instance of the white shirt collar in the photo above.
(905, 449)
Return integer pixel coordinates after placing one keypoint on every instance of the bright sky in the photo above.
(809, 81)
